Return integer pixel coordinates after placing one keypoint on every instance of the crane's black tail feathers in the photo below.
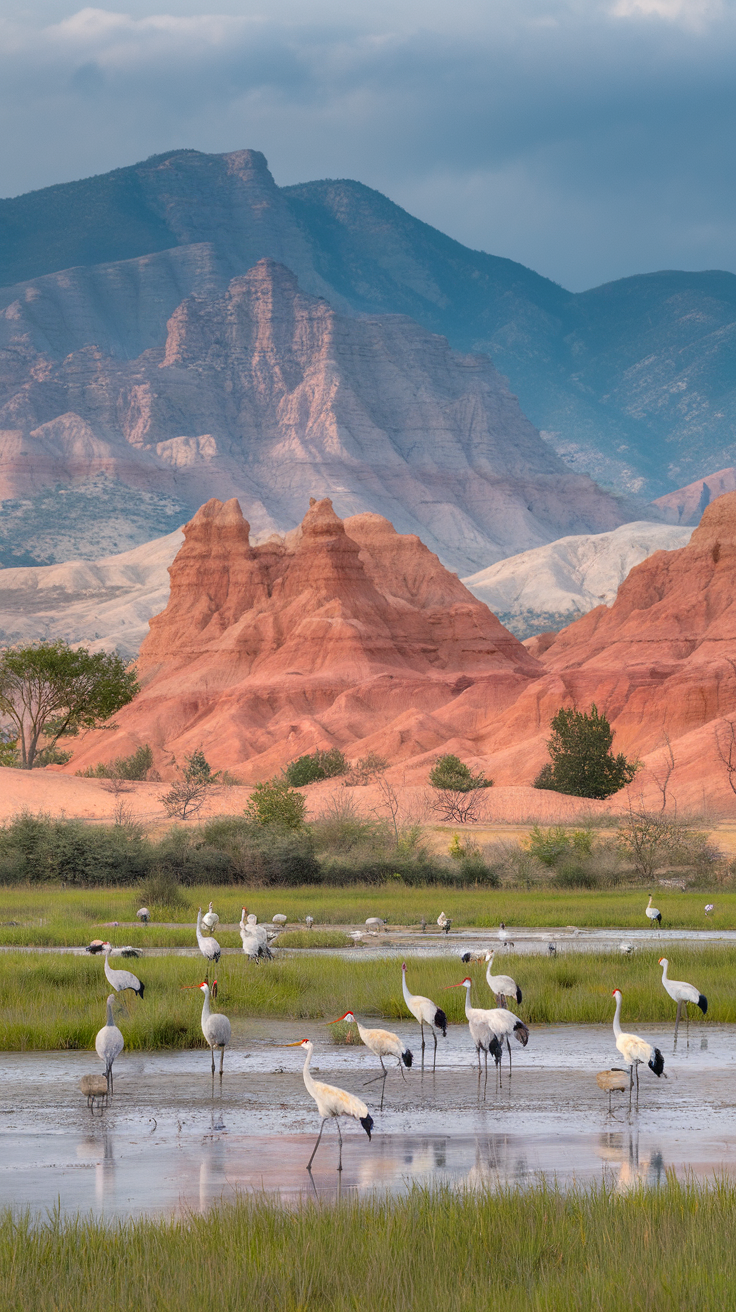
(216, 958)
(367, 1123)
(464, 957)
(440, 1021)
(657, 1063)
(518, 994)
(140, 991)
(407, 1057)
(659, 918)
(495, 1049)
(521, 1033)
(703, 1003)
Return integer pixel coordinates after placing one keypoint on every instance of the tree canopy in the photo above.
(582, 763)
(452, 774)
(50, 690)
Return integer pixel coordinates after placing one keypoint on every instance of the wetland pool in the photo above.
(170, 1141)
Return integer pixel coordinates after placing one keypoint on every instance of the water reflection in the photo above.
(625, 1165)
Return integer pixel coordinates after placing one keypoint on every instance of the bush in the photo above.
(364, 771)
(161, 890)
(583, 764)
(339, 829)
(37, 849)
(265, 854)
(274, 803)
(450, 773)
(188, 794)
(320, 765)
(551, 845)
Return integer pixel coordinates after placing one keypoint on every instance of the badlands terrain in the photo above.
(348, 634)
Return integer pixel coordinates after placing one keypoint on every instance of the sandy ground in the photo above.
(170, 1142)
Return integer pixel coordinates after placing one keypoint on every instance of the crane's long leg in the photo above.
(687, 1024)
(401, 1070)
(316, 1146)
(212, 1054)
(508, 1045)
(339, 1135)
(631, 1082)
(677, 1020)
(222, 1059)
(434, 1060)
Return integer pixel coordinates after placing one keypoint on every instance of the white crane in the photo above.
(109, 1043)
(710, 908)
(331, 1102)
(681, 993)
(208, 946)
(210, 920)
(443, 922)
(479, 1024)
(502, 1023)
(383, 1043)
(215, 1026)
(501, 986)
(279, 920)
(309, 921)
(652, 914)
(143, 914)
(374, 924)
(635, 1050)
(503, 936)
(121, 979)
(254, 938)
(426, 1012)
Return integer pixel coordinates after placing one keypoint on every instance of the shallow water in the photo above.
(169, 1142)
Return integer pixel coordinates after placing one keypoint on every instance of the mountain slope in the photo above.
(270, 395)
(632, 382)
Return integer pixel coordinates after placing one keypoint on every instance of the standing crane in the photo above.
(210, 920)
(681, 993)
(501, 1022)
(426, 1012)
(331, 1102)
(309, 921)
(381, 1042)
(254, 938)
(652, 914)
(710, 908)
(501, 986)
(208, 946)
(121, 979)
(503, 937)
(635, 1050)
(444, 922)
(479, 1024)
(215, 1026)
(109, 1043)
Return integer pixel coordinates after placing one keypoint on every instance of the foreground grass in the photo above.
(507, 1251)
(53, 916)
(58, 1001)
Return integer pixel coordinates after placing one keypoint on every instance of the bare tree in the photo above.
(724, 732)
(113, 782)
(663, 772)
(457, 807)
(390, 802)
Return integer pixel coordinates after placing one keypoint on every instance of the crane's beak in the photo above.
(447, 987)
(298, 1044)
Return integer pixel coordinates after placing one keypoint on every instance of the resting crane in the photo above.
(331, 1102)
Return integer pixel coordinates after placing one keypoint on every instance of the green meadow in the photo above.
(531, 1250)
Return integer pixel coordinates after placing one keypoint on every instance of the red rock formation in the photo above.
(348, 633)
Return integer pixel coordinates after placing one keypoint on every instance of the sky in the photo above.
(588, 140)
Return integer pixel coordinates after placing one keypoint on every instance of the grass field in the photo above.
(53, 916)
(531, 1250)
(58, 1001)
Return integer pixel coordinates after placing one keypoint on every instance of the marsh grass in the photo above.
(313, 938)
(58, 1001)
(512, 1250)
(52, 915)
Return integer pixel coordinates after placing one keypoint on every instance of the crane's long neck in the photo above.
(468, 1008)
(665, 977)
(649, 903)
(308, 1081)
(205, 1005)
(363, 1032)
(110, 1017)
(617, 1017)
(107, 965)
(489, 976)
(408, 997)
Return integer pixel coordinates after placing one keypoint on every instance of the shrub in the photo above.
(364, 771)
(161, 889)
(339, 829)
(551, 845)
(188, 794)
(36, 849)
(265, 854)
(319, 765)
(451, 774)
(275, 803)
(583, 764)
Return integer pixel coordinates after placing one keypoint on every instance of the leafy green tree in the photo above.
(318, 765)
(450, 773)
(275, 803)
(582, 763)
(188, 794)
(50, 690)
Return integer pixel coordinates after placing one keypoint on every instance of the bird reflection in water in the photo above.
(105, 1174)
(625, 1164)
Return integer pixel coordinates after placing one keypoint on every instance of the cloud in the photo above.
(586, 139)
